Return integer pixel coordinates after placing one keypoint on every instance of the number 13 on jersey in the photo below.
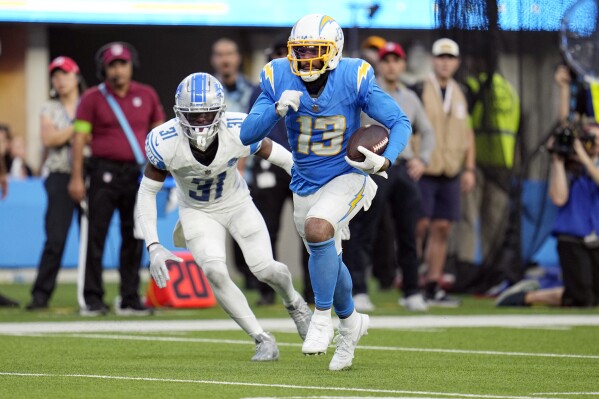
(332, 127)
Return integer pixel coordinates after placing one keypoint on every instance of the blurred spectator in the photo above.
(114, 171)
(574, 188)
(399, 191)
(451, 168)
(57, 116)
(226, 61)
(5, 302)
(494, 107)
(270, 190)
(369, 49)
(12, 149)
(418, 64)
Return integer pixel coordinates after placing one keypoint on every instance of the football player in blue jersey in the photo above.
(201, 148)
(321, 95)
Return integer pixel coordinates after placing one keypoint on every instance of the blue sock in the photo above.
(343, 300)
(324, 268)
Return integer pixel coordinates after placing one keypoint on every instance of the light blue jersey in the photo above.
(319, 131)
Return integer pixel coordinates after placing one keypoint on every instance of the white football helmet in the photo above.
(315, 37)
(199, 106)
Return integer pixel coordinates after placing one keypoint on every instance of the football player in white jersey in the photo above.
(200, 148)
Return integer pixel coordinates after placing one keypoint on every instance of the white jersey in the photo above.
(213, 187)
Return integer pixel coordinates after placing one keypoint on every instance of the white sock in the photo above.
(351, 321)
(322, 313)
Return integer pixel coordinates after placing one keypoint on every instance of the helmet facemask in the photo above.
(309, 58)
(200, 127)
(199, 106)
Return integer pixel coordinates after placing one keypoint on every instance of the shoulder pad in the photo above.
(233, 120)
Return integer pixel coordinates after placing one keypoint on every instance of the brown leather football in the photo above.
(372, 137)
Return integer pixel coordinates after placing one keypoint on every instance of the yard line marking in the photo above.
(256, 384)
(366, 347)
(341, 397)
(286, 324)
(550, 328)
(567, 393)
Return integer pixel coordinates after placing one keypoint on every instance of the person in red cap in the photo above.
(57, 116)
(114, 118)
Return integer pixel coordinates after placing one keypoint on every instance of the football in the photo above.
(372, 137)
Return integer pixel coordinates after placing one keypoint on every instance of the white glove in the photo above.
(371, 165)
(345, 233)
(289, 98)
(158, 257)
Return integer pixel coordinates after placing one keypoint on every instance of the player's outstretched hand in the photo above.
(371, 165)
(289, 98)
(158, 257)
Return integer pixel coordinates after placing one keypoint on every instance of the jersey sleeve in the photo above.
(263, 116)
(383, 108)
(159, 144)
(158, 115)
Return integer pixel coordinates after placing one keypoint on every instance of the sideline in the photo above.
(286, 324)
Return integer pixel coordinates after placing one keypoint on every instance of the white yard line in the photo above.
(568, 393)
(286, 325)
(286, 386)
(363, 347)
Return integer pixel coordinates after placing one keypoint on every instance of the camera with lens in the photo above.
(564, 135)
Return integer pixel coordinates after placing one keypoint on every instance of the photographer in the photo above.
(574, 188)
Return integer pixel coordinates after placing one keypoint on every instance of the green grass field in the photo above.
(555, 360)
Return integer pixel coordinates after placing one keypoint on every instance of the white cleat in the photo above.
(414, 303)
(301, 314)
(266, 348)
(319, 336)
(347, 340)
(363, 304)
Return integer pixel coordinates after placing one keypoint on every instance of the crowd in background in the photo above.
(446, 192)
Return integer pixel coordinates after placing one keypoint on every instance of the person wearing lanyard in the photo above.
(114, 118)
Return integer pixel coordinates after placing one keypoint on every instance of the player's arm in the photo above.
(276, 154)
(382, 108)
(260, 121)
(146, 216)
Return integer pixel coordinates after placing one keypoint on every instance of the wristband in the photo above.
(153, 243)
